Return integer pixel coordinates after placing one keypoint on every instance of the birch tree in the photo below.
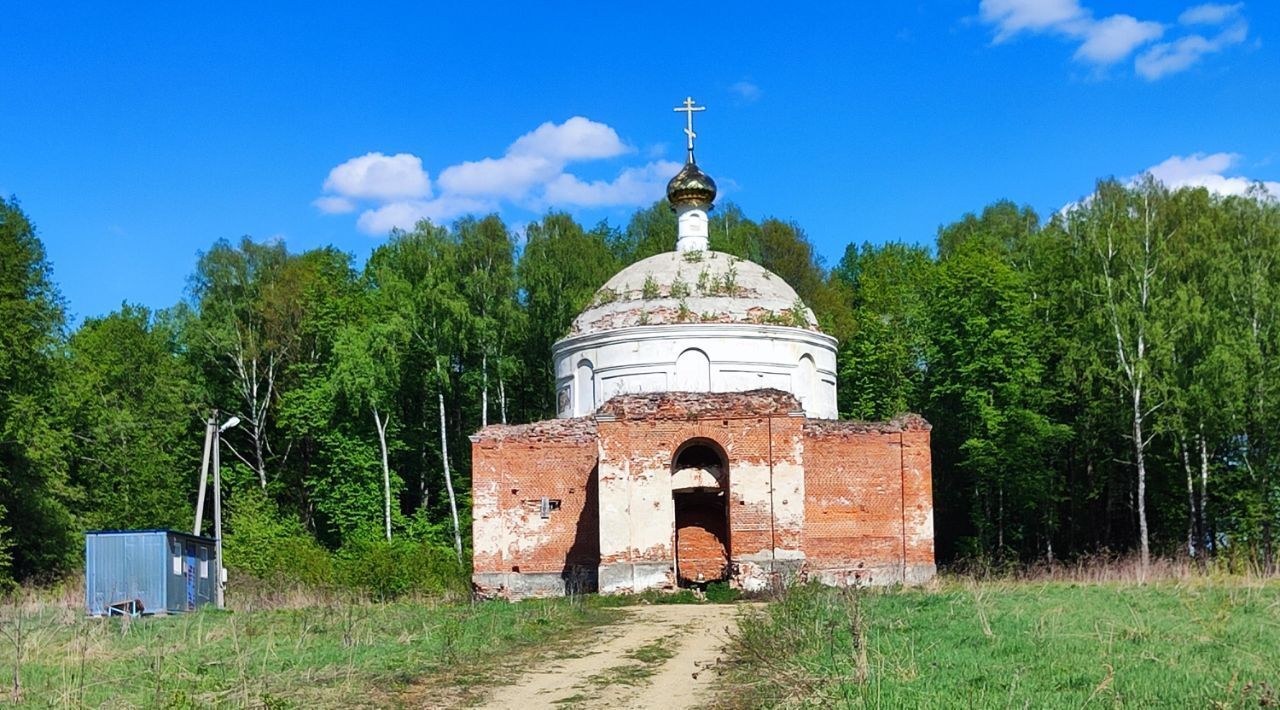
(1252, 305)
(367, 368)
(558, 273)
(1124, 233)
(234, 289)
(415, 277)
(487, 272)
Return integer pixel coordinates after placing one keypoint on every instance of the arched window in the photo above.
(806, 381)
(693, 371)
(584, 387)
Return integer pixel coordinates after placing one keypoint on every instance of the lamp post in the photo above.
(221, 585)
(213, 445)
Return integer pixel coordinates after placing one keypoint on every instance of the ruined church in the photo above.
(697, 440)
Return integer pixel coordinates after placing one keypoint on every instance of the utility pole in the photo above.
(209, 425)
(220, 582)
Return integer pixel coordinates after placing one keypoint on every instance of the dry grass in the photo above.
(1105, 568)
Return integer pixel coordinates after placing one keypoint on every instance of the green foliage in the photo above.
(882, 362)
(985, 397)
(650, 231)
(36, 531)
(131, 401)
(684, 315)
(650, 289)
(679, 287)
(722, 593)
(263, 543)
(606, 296)
(561, 268)
(1006, 340)
(387, 570)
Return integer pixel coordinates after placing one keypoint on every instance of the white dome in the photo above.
(694, 287)
(695, 321)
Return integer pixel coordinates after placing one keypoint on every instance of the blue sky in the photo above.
(135, 136)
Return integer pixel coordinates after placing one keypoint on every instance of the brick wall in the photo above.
(701, 531)
(513, 468)
(868, 499)
(850, 501)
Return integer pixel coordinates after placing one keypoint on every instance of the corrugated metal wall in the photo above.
(165, 570)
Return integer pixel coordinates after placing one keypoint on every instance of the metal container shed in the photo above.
(163, 570)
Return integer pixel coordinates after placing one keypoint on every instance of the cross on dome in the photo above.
(688, 108)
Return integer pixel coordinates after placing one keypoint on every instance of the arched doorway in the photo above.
(700, 487)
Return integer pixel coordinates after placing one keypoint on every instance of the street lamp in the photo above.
(213, 445)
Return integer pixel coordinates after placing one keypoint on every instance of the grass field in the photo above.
(328, 655)
(1198, 644)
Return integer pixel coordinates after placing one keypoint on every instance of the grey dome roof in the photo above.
(693, 287)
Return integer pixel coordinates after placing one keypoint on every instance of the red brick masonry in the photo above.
(586, 504)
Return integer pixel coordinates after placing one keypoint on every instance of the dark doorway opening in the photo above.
(700, 492)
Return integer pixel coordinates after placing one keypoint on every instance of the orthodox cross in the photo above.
(688, 110)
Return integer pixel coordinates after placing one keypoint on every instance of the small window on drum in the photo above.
(584, 386)
(806, 381)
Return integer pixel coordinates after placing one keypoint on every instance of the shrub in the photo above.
(650, 288)
(722, 593)
(261, 542)
(389, 569)
(679, 287)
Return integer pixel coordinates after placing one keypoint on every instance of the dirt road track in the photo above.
(659, 656)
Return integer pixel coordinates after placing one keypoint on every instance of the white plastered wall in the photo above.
(741, 356)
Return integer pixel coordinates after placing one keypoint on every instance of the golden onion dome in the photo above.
(691, 187)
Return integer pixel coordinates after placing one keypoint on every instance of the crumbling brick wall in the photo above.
(868, 501)
(760, 433)
(701, 531)
(847, 502)
(517, 551)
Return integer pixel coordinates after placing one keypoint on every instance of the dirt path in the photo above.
(657, 656)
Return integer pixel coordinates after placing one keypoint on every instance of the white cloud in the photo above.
(576, 139)
(1207, 171)
(1172, 57)
(405, 214)
(1013, 16)
(1210, 14)
(1102, 42)
(634, 186)
(746, 90)
(333, 204)
(534, 159)
(511, 176)
(1114, 38)
(530, 174)
(380, 177)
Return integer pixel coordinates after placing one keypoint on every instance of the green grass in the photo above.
(1015, 644)
(650, 657)
(326, 656)
(654, 652)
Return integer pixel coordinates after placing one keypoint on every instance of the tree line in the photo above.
(1102, 379)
